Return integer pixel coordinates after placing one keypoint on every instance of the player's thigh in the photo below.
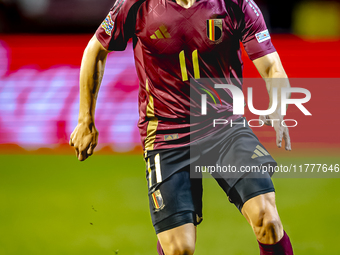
(256, 209)
(246, 188)
(239, 153)
(175, 201)
(179, 240)
(176, 209)
(243, 161)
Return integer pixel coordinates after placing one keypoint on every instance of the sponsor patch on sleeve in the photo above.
(108, 24)
(262, 36)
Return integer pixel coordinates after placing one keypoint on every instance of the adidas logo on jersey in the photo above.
(259, 152)
(161, 33)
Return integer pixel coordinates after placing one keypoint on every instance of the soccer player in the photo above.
(175, 42)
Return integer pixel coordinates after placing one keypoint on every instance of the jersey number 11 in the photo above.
(184, 67)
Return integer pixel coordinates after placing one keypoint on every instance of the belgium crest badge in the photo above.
(214, 29)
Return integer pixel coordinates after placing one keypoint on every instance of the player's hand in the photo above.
(282, 132)
(84, 139)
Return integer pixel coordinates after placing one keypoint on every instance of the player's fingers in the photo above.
(91, 148)
(286, 138)
(70, 142)
(279, 135)
(77, 151)
(82, 155)
(264, 119)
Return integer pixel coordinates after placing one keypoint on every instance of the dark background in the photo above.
(84, 16)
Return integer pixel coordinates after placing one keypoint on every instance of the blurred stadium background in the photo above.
(53, 204)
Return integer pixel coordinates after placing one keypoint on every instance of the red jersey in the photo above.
(173, 45)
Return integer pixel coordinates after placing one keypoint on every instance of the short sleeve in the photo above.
(118, 26)
(255, 36)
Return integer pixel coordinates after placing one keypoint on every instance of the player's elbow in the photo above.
(274, 69)
(277, 72)
(95, 49)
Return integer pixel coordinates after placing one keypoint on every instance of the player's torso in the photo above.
(199, 40)
(175, 45)
(165, 27)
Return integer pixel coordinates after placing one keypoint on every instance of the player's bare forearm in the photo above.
(91, 74)
(84, 138)
(272, 71)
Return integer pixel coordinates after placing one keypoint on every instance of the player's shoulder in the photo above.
(234, 4)
(125, 5)
(240, 4)
(243, 4)
(235, 8)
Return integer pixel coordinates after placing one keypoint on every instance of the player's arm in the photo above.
(272, 71)
(85, 136)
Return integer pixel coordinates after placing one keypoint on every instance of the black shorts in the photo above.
(174, 175)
